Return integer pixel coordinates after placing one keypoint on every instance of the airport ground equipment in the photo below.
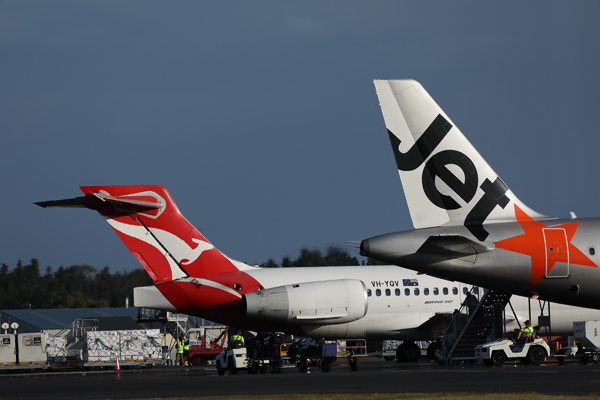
(206, 343)
(499, 351)
(473, 325)
(269, 352)
(20, 351)
(587, 333)
(141, 347)
(325, 354)
(407, 351)
(232, 360)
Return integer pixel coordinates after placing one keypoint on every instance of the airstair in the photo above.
(471, 326)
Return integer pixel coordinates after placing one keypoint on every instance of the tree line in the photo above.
(83, 286)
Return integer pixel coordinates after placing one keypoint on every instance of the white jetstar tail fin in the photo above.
(445, 180)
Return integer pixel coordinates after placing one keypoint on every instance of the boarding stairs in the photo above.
(473, 329)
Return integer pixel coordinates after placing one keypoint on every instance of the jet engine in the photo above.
(309, 303)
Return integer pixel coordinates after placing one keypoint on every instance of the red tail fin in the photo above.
(149, 223)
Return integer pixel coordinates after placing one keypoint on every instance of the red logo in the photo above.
(546, 245)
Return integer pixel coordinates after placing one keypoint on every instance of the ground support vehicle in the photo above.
(269, 358)
(324, 355)
(499, 351)
(206, 343)
(232, 360)
(587, 334)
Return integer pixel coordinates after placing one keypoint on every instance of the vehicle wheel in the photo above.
(585, 359)
(253, 369)
(434, 351)
(389, 358)
(536, 355)
(302, 366)
(220, 370)
(595, 357)
(488, 363)
(197, 359)
(232, 368)
(408, 352)
(353, 364)
(498, 358)
(326, 365)
(275, 367)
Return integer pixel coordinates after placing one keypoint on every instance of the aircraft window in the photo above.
(426, 291)
(369, 292)
(378, 292)
(388, 292)
(475, 290)
(445, 290)
(592, 251)
(416, 291)
(407, 292)
(397, 292)
(454, 290)
(436, 291)
(465, 290)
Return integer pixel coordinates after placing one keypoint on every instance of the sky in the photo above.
(261, 118)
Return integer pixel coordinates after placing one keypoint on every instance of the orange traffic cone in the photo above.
(117, 367)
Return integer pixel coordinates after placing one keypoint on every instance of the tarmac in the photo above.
(373, 376)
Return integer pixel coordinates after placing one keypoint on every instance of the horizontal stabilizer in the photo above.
(151, 297)
(454, 246)
(74, 202)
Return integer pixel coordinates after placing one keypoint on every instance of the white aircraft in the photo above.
(191, 276)
(469, 226)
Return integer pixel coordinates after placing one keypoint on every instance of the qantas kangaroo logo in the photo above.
(494, 193)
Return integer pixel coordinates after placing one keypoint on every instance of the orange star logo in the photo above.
(546, 245)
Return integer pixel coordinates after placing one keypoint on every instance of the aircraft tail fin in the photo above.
(151, 226)
(445, 180)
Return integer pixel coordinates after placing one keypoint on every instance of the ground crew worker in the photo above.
(237, 337)
(186, 350)
(179, 358)
(526, 332)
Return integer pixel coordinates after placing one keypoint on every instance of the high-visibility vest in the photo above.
(237, 337)
(528, 330)
(186, 344)
(179, 347)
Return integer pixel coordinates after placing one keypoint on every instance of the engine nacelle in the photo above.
(309, 303)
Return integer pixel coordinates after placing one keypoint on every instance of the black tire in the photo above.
(585, 359)
(275, 367)
(326, 365)
(595, 357)
(536, 355)
(389, 358)
(302, 366)
(197, 359)
(498, 358)
(434, 351)
(232, 368)
(220, 370)
(353, 364)
(408, 352)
